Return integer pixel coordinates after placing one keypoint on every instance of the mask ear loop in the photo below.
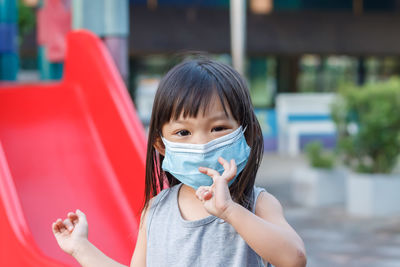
(162, 139)
(161, 136)
(244, 129)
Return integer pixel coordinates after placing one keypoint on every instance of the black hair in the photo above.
(187, 89)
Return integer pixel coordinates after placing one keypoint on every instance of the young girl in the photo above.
(205, 145)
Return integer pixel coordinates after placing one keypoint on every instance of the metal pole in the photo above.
(238, 33)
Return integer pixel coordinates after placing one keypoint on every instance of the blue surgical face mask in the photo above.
(183, 160)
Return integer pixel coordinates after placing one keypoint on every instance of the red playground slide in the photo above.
(72, 144)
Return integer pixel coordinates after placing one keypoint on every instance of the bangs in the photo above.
(195, 99)
(193, 90)
(190, 88)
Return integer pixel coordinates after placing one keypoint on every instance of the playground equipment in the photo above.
(77, 143)
(301, 115)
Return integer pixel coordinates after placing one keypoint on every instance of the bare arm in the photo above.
(139, 255)
(71, 235)
(268, 233)
(88, 255)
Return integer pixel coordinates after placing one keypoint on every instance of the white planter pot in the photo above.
(373, 194)
(314, 187)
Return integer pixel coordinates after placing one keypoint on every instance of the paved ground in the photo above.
(332, 237)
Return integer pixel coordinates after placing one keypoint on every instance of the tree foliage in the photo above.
(368, 123)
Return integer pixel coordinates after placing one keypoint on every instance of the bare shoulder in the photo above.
(269, 208)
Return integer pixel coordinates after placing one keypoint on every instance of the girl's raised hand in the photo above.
(217, 198)
(71, 232)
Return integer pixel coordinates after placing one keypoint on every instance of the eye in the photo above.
(219, 128)
(183, 133)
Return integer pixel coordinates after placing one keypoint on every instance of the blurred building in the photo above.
(292, 46)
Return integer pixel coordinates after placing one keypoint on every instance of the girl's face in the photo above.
(207, 126)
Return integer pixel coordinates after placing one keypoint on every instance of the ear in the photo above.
(159, 146)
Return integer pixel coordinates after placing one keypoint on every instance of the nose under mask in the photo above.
(183, 160)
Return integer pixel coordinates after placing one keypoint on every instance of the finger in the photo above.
(81, 215)
(210, 172)
(207, 195)
(234, 166)
(73, 217)
(55, 228)
(224, 163)
(203, 192)
(200, 191)
(207, 189)
(68, 224)
(61, 225)
(231, 173)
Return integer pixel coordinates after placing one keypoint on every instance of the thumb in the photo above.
(81, 215)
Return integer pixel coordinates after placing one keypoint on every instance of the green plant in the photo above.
(368, 124)
(318, 157)
(26, 20)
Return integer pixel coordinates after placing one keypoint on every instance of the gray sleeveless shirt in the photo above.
(211, 242)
